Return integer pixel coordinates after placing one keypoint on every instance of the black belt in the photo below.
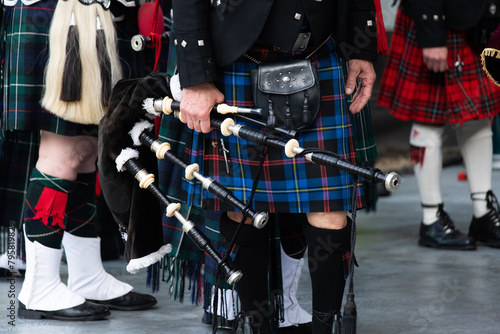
(301, 43)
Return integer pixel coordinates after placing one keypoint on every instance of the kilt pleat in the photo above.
(414, 93)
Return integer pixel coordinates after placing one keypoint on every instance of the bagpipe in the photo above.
(126, 143)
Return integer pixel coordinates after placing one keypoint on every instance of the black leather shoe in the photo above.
(442, 234)
(486, 229)
(300, 329)
(131, 301)
(82, 312)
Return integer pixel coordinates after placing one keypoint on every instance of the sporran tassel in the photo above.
(306, 113)
(72, 75)
(104, 63)
(288, 114)
(271, 119)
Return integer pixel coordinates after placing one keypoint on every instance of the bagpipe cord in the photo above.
(350, 313)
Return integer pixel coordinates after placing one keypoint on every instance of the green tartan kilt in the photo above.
(25, 46)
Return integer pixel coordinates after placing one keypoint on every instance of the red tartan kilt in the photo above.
(414, 93)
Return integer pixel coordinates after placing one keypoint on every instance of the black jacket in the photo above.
(433, 17)
(209, 35)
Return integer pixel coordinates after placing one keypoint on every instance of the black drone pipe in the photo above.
(291, 147)
(146, 181)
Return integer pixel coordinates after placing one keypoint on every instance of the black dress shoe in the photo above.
(486, 229)
(82, 312)
(300, 329)
(442, 234)
(131, 301)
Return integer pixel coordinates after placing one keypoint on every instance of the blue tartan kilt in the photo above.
(25, 45)
(285, 185)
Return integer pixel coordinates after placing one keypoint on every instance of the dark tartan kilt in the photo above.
(25, 46)
(17, 159)
(285, 185)
(414, 93)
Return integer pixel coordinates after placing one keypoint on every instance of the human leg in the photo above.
(62, 202)
(43, 295)
(475, 142)
(251, 256)
(328, 238)
(86, 274)
(437, 230)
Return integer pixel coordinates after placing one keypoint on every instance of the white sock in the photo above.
(475, 142)
(427, 160)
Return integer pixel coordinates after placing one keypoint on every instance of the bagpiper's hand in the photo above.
(197, 103)
(364, 71)
(436, 59)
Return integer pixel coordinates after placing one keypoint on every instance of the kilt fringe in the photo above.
(182, 276)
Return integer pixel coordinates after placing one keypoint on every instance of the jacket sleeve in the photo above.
(430, 25)
(361, 32)
(192, 40)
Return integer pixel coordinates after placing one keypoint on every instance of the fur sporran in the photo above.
(288, 93)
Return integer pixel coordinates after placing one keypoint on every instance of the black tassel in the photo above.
(104, 64)
(71, 89)
(349, 316)
(288, 115)
(306, 113)
(271, 119)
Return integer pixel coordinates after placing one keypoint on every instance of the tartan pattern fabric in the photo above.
(25, 44)
(286, 185)
(414, 93)
(19, 152)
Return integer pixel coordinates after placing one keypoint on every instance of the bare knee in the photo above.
(65, 157)
(328, 220)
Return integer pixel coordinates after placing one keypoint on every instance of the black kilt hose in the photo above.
(286, 185)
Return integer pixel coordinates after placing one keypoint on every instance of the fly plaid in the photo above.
(414, 93)
(286, 185)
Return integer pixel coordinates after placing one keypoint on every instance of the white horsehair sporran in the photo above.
(82, 38)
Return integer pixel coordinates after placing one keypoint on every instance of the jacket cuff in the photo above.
(195, 61)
